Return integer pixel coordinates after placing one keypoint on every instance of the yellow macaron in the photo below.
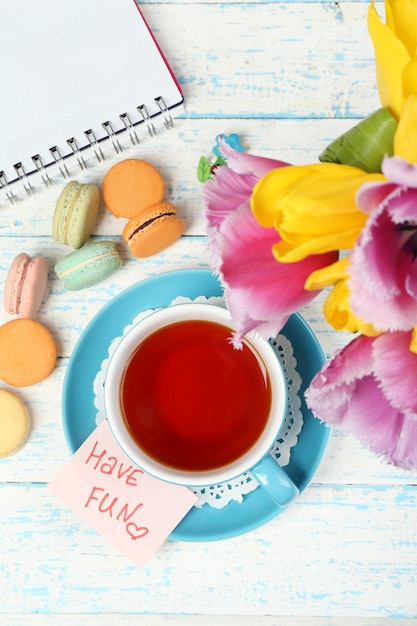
(14, 423)
(75, 213)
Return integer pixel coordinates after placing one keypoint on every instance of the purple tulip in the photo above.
(383, 270)
(261, 292)
(369, 388)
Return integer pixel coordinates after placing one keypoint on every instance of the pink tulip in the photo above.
(369, 388)
(261, 292)
(383, 270)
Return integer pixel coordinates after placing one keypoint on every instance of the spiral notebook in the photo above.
(75, 75)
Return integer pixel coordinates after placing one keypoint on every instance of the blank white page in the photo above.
(67, 67)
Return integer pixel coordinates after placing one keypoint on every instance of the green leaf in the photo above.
(219, 161)
(203, 170)
(364, 145)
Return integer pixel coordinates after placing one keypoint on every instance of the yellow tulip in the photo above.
(395, 44)
(312, 207)
(327, 275)
(339, 314)
(401, 18)
(413, 342)
(336, 308)
(405, 139)
(410, 78)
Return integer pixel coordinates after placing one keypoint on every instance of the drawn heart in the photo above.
(136, 532)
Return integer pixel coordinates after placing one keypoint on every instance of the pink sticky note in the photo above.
(133, 510)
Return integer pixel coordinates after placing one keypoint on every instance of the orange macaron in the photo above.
(131, 186)
(153, 230)
(28, 352)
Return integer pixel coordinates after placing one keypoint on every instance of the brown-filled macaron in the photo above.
(153, 230)
(131, 186)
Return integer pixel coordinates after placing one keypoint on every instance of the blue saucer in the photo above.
(206, 523)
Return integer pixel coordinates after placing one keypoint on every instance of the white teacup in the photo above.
(190, 409)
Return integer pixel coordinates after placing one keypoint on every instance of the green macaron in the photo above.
(75, 213)
(88, 265)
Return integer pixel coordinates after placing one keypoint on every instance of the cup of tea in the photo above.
(189, 408)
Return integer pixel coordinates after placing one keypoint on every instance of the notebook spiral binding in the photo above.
(93, 144)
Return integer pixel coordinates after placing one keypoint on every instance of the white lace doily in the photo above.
(219, 496)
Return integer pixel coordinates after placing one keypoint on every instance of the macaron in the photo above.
(89, 265)
(14, 423)
(75, 213)
(153, 230)
(28, 352)
(25, 285)
(131, 186)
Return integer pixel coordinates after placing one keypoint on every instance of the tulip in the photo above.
(368, 388)
(337, 309)
(261, 293)
(383, 267)
(405, 139)
(395, 44)
(312, 207)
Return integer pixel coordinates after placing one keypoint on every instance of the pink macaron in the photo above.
(25, 285)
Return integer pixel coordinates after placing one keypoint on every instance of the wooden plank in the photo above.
(176, 154)
(270, 59)
(288, 77)
(195, 620)
(339, 551)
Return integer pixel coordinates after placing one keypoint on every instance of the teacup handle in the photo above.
(277, 484)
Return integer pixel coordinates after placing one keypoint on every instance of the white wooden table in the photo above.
(287, 77)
